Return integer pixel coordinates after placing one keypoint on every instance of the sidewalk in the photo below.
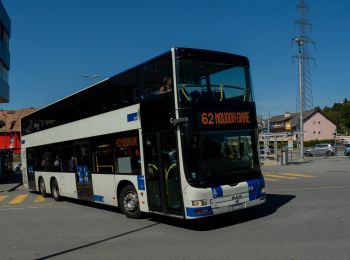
(293, 158)
(9, 182)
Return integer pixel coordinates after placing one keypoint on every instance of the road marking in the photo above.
(269, 179)
(39, 198)
(298, 175)
(2, 197)
(280, 176)
(271, 176)
(28, 207)
(19, 199)
(314, 188)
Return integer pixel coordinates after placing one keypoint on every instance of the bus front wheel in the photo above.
(129, 202)
(55, 191)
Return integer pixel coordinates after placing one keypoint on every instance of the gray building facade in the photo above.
(5, 34)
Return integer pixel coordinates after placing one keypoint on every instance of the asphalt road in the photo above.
(307, 216)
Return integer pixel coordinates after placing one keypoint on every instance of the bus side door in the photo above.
(162, 176)
(83, 170)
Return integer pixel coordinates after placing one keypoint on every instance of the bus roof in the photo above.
(242, 59)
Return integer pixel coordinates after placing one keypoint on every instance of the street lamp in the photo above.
(90, 76)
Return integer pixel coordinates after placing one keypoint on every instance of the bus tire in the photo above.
(42, 188)
(55, 191)
(129, 202)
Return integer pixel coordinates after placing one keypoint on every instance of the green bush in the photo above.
(312, 143)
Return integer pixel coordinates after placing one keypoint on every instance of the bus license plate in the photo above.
(236, 207)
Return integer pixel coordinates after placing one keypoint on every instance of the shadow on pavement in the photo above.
(273, 203)
(298, 163)
(89, 204)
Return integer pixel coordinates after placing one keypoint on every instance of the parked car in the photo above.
(320, 150)
(308, 152)
(347, 149)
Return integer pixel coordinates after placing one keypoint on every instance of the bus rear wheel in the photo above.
(55, 191)
(42, 188)
(129, 202)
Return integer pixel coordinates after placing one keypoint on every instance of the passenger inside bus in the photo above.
(57, 164)
(166, 86)
(72, 164)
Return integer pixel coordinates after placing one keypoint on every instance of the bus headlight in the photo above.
(262, 191)
(197, 203)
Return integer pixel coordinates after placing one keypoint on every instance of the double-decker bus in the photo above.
(187, 150)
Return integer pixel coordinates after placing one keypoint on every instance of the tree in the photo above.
(339, 113)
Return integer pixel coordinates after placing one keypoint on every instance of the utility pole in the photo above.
(300, 90)
(305, 99)
(268, 123)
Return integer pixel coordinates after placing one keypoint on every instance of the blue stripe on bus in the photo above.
(30, 169)
(254, 188)
(141, 182)
(132, 117)
(99, 198)
(199, 211)
(217, 192)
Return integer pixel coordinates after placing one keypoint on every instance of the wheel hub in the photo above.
(131, 202)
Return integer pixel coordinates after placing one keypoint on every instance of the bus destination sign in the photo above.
(127, 142)
(225, 118)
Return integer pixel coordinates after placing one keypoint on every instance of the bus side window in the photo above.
(38, 125)
(206, 95)
(195, 95)
(219, 95)
(128, 154)
(139, 95)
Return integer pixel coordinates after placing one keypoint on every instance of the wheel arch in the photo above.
(120, 187)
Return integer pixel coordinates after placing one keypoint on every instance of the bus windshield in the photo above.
(222, 158)
(205, 80)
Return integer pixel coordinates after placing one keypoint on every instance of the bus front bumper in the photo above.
(206, 211)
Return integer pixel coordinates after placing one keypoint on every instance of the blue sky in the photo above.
(54, 42)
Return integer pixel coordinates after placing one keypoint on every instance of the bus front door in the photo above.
(162, 176)
(83, 171)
